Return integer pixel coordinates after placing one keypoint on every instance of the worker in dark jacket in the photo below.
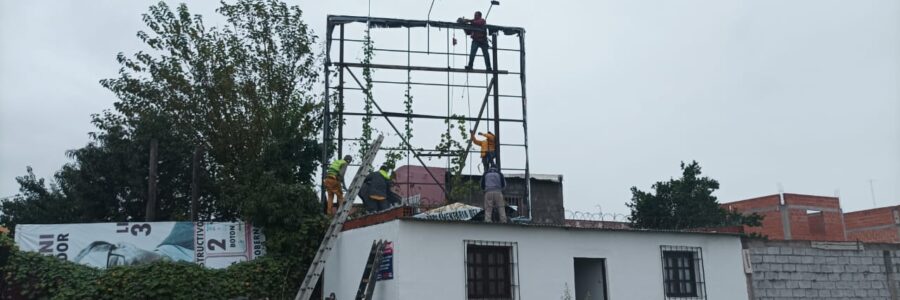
(492, 183)
(376, 189)
(479, 40)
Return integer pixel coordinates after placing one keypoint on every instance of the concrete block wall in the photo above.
(814, 270)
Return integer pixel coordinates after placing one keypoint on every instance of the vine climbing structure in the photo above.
(381, 99)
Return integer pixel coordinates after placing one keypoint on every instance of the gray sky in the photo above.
(804, 93)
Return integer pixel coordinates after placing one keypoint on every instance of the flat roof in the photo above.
(405, 213)
(559, 226)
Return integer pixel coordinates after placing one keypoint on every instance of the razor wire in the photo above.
(595, 216)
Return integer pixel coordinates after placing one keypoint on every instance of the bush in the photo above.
(35, 276)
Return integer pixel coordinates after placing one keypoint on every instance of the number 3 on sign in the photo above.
(212, 242)
(135, 229)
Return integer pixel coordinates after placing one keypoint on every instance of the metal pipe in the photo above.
(341, 97)
(423, 52)
(496, 103)
(419, 68)
(525, 122)
(448, 93)
(429, 84)
(484, 103)
(423, 116)
(490, 7)
(418, 52)
(326, 117)
(428, 26)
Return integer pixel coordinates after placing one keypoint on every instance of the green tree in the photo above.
(107, 180)
(684, 203)
(243, 91)
(37, 203)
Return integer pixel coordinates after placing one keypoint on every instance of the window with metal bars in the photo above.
(490, 271)
(683, 272)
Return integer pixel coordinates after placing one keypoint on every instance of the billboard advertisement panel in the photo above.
(213, 244)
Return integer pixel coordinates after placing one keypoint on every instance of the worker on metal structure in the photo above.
(376, 189)
(479, 40)
(334, 182)
(488, 148)
(492, 183)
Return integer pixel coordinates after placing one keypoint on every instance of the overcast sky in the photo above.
(802, 93)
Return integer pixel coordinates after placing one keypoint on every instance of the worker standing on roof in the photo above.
(492, 183)
(376, 190)
(488, 148)
(334, 182)
(479, 40)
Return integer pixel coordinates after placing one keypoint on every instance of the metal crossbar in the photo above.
(403, 115)
(419, 68)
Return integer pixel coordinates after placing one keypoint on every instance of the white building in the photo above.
(455, 260)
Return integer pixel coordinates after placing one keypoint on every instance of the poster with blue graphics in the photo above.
(102, 245)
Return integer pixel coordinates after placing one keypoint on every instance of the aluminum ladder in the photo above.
(334, 230)
(370, 273)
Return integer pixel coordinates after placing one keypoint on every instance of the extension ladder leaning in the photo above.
(370, 273)
(318, 263)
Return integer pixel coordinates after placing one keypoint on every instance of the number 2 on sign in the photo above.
(211, 243)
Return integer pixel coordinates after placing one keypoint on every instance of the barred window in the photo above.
(683, 272)
(490, 271)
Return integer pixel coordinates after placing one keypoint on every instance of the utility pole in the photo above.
(151, 182)
(195, 182)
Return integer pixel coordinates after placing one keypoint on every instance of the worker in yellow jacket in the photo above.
(334, 181)
(488, 148)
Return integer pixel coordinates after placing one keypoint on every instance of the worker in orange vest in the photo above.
(488, 148)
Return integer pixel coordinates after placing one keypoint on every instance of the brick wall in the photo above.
(870, 217)
(827, 216)
(816, 223)
(884, 235)
(804, 217)
(766, 206)
(814, 270)
(378, 218)
(810, 200)
(874, 225)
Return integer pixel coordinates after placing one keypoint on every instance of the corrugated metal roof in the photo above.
(532, 225)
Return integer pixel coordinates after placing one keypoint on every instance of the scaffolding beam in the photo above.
(421, 116)
(489, 109)
(418, 68)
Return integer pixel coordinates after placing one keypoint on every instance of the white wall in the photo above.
(344, 268)
(429, 260)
